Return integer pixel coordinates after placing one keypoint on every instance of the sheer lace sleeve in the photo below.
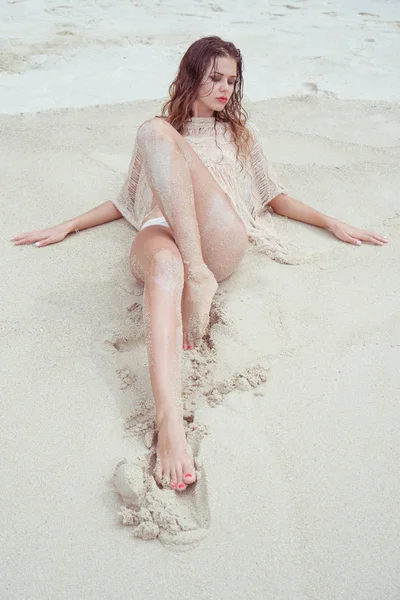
(265, 178)
(125, 201)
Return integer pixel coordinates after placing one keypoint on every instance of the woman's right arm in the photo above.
(104, 213)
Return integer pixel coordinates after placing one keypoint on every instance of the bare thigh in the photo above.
(146, 244)
(222, 232)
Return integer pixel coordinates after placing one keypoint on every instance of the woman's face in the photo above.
(217, 86)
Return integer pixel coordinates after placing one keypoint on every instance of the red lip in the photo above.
(222, 99)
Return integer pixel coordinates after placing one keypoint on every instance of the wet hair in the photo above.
(183, 91)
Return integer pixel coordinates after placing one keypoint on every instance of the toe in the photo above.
(181, 486)
(173, 479)
(185, 342)
(189, 475)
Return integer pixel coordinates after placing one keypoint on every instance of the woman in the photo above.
(197, 183)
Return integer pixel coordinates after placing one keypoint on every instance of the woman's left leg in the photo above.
(161, 270)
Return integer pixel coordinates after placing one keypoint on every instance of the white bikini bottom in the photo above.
(156, 221)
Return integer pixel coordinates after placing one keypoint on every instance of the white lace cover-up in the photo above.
(250, 185)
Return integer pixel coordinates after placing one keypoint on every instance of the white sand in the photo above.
(298, 495)
(76, 53)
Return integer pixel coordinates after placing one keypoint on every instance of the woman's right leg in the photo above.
(209, 234)
(161, 271)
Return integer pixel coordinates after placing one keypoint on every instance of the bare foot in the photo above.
(176, 465)
(198, 292)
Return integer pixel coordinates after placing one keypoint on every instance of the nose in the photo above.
(224, 86)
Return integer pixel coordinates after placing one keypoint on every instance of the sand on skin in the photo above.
(323, 436)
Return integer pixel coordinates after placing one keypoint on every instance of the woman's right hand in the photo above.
(45, 237)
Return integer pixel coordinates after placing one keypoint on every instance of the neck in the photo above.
(199, 110)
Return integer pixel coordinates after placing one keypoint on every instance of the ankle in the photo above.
(197, 273)
(168, 414)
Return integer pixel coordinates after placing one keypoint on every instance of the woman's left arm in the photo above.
(294, 209)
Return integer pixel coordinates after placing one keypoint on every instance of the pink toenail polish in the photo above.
(180, 486)
(173, 485)
(189, 475)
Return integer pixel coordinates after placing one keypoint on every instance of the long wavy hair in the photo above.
(183, 91)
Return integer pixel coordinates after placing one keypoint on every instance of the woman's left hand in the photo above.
(355, 236)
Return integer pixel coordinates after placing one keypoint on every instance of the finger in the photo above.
(21, 236)
(366, 236)
(46, 242)
(372, 240)
(352, 240)
(30, 239)
(378, 236)
(27, 240)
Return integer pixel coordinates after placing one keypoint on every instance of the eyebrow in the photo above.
(218, 73)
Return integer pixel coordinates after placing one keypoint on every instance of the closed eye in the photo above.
(217, 79)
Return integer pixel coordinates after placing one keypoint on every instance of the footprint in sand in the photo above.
(65, 32)
(367, 14)
(311, 87)
(10, 62)
(57, 9)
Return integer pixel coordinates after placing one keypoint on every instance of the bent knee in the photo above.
(153, 128)
(166, 265)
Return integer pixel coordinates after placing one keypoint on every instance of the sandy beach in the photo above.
(293, 397)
